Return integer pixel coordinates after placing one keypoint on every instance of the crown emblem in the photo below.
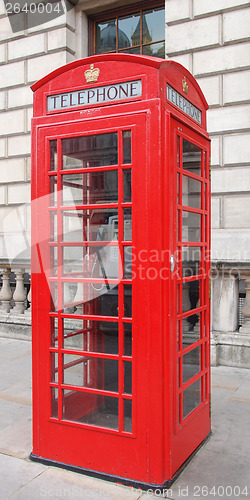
(92, 74)
(185, 85)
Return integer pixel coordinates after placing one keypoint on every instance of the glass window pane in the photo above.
(191, 192)
(127, 339)
(129, 31)
(127, 185)
(153, 24)
(126, 139)
(93, 299)
(134, 50)
(190, 295)
(53, 226)
(191, 398)
(90, 336)
(191, 257)
(53, 261)
(105, 36)
(54, 402)
(127, 377)
(53, 296)
(90, 151)
(191, 364)
(53, 191)
(95, 373)
(191, 157)
(90, 225)
(127, 421)
(54, 332)
(92, 409)
(191, 226)
(53, 155)
(54, 367)
(155, 50)
(190, 329)
(127, 262)
(90, 188)
(127, 301)
(127, 224)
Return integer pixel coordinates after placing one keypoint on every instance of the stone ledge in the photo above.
(230, 349)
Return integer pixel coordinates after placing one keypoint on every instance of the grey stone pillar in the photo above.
(245, 275)
(225, 303)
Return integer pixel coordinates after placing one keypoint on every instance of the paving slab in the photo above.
(16, 473)
(57, 483)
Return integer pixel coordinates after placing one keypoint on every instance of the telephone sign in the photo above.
(120, 268)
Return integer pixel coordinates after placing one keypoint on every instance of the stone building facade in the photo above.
(212, 40)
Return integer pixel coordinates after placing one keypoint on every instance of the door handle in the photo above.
(172, 263)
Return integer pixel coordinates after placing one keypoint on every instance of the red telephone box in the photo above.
(120, 268)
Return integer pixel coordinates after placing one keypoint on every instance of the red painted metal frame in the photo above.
(157, 447)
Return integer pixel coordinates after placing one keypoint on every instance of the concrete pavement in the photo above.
(220, 469)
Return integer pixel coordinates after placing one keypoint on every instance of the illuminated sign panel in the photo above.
(95, 95)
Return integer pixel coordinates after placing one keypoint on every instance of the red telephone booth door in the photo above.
(90, 410)
(191, 322)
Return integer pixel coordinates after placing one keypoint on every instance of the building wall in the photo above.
(212, 39)
(25, 57)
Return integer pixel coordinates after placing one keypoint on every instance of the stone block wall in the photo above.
(212, 39)
(25, 56)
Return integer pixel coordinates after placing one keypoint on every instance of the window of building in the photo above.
(138, 29)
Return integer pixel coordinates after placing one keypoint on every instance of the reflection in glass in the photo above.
(90, 188)
(90, 335)
(90, 225)
(191, 224)
(191, 398)
(53, 155)
(191, 364)
(191, 192)
(105, 36)
(126, 139)
(153, 25)
(127, 422)
(155, 50)
(129, 30)
(191, 257)
(90, 151)
(191, 157)
(92, 409)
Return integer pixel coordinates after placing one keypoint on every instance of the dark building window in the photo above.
(138, 29)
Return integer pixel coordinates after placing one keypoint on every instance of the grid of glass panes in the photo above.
(91, 280)
(192, 278)
(138, 31)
